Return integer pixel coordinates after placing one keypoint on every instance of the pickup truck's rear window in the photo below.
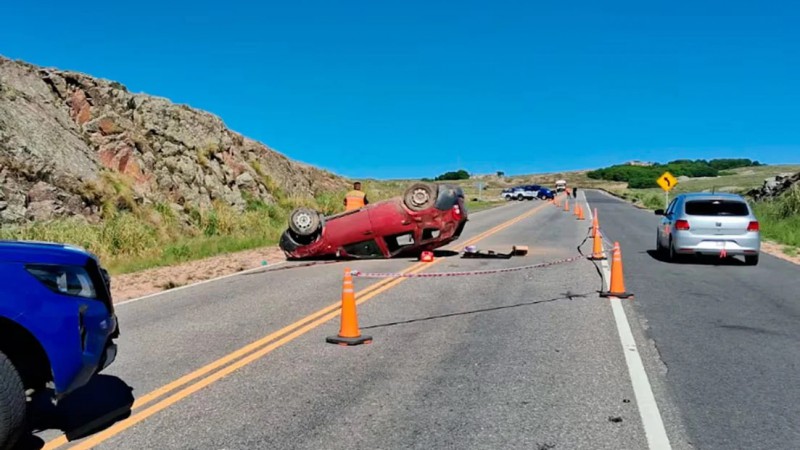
(716, 208)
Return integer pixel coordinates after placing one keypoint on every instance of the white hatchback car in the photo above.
(710, 224)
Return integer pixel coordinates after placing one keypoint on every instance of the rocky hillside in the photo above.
(70, 144)
(775, 186)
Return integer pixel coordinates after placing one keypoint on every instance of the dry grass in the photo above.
(133, 237)
(779, 218)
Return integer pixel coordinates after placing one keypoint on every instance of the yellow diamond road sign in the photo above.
(667, 181)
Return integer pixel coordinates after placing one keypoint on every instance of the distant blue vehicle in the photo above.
(57, 325)
(545, 194)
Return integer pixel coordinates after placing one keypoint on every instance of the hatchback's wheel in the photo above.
(12, 404)
(751, 260)
(673, 255)
(304, 221)
(420, 196)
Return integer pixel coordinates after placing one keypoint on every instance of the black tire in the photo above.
(659, 248)
(12, 404)
(751, 260)
(520, 197)
(420, 196)
(672, 255)
(305, 221)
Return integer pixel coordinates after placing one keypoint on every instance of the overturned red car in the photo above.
(426, 217)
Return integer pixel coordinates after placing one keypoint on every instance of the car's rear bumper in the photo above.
(749, 244)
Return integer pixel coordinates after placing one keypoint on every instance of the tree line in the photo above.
(640, 177)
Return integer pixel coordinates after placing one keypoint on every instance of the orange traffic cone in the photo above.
(566, 205)
(597, 240)
(349, 333)
(575, 209)
(426, 256)
(580, 213)
(617, 281)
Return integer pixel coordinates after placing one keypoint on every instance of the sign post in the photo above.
(667, 183)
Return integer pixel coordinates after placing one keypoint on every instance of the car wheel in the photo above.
(751, 260)
(420, 196)
(520, 197)
(659, 248)
(673, 256)
(304, 221)
(12, 404)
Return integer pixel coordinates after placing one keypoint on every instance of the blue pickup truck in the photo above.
(57, 325)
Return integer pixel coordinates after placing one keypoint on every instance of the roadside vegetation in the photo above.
(645, 176)
(779, 218)
(132, 237)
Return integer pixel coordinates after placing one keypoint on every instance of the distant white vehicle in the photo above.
(519, 193)
(561, 185)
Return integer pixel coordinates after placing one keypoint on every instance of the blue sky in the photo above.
(416, 88)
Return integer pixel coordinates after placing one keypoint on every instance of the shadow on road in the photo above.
(566, 296)
(104, 401)
(698, 260)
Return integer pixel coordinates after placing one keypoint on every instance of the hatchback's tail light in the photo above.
(682, 225)
(457, 212)
(753, 226)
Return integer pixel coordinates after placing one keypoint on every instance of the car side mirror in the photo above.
(659, 212)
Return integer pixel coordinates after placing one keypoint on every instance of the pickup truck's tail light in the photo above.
(682, 225)
(753, 226)
(63, 279)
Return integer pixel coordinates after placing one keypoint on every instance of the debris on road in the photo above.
(472, 252)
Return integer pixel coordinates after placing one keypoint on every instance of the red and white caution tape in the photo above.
(356, 273)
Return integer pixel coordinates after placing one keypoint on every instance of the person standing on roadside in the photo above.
(575, 192)
(356, 198)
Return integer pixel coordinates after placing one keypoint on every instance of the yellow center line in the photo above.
(295, 330)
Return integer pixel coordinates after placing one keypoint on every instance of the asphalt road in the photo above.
(728, 335)
(523, 359)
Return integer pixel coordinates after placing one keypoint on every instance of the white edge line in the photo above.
(645, 399)
(653, 424)
(210, 280)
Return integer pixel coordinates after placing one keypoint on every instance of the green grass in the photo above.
(475, 206)
(741, 180)
(780, 218)
(132, 237)
(154, 236)
(791, 251)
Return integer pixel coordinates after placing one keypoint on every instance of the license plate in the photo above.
(719, 244)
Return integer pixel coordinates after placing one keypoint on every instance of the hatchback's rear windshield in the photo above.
(448, 197)
(716, 208)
